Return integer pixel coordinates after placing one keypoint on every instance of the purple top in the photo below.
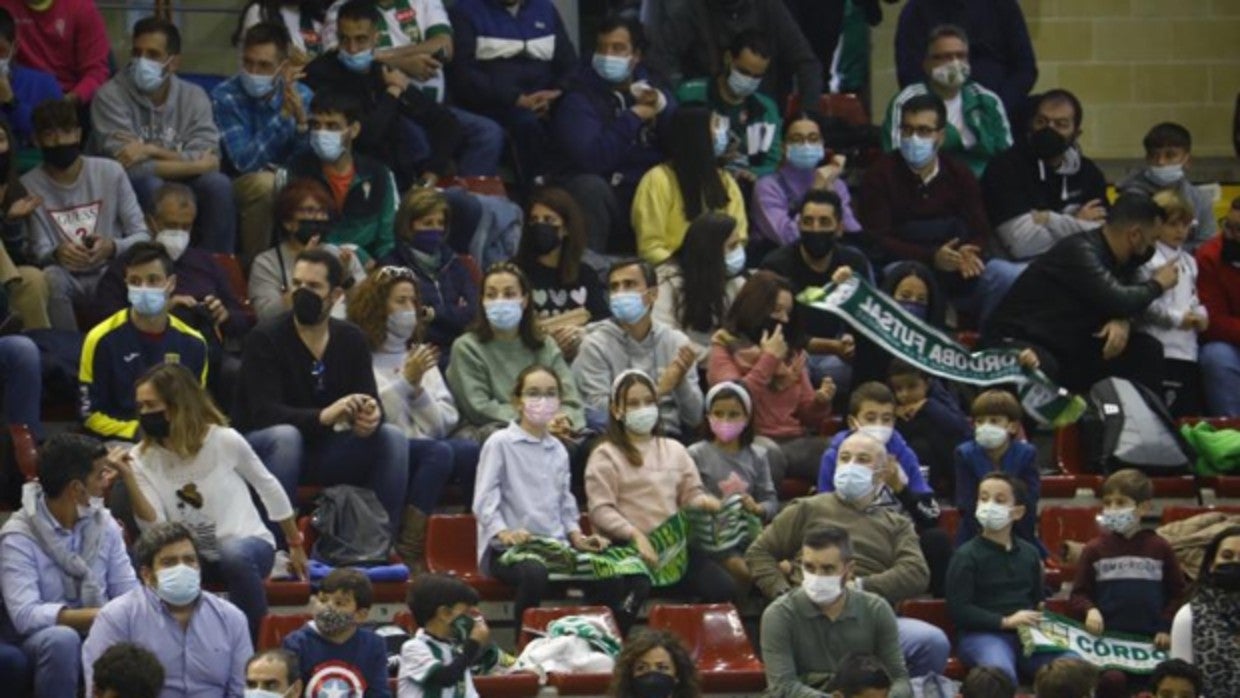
(204, 660)
(776, 194)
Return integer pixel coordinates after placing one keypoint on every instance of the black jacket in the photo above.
(1015, 184)
(383, 135)
(1068, 294)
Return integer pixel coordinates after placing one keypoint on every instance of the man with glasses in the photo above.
(159, 127)
(307, 400)
(884, 557)
(263, 119)
(924, 207)
(977, 125)
(1218, 285)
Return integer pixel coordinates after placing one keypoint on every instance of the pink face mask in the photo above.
(726, 431)
(540, 410)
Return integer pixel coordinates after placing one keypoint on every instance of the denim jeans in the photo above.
(924, 646)
(433, 463)
(1002, 651)
(482, 144)
(23, 382)
(244, 565)
(215, 228)
(15, 668)
(379, 461)
(55, 653)
(1220, 374)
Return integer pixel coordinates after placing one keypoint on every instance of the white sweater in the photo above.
(218, 473)
(424, 412)
(1163, 317)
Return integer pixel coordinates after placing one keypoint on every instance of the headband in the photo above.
(737, 388)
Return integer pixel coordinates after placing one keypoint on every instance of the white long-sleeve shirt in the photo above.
(215, 478)
(424, 412)
(1163, 317)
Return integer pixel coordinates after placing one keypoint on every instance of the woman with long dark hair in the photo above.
(672, 195)
(567, 294)
(762, 347)
(699, 283)
(1205, 630)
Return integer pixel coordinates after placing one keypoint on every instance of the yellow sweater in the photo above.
(659, 213)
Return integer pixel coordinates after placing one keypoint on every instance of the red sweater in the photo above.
(67, 40)
(1136, 583)
(785, 412)
(1218, 286)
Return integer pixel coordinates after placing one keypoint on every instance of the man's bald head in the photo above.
(862, 449)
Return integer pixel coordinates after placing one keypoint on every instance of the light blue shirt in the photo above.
(33, 585)
(523, 482)
(204, 660)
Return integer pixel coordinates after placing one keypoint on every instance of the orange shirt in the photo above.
(339, 183)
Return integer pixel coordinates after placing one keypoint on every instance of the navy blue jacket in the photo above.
(596, 132)
(451, 291)
(326, 665)
(499, 57)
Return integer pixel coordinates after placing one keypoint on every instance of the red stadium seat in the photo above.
(716, 639)
(793, 487)
(1066, 486)
(231, 267)
(1058, 525)
(847, 107)
(274, 629)
(451, 548)
(26, 451)
(507, 686)
(949, 520)
(1069, 454)
(967, 339)
(475, 271)
(1185, 487)
(934, 612)
(534, 624)
(1172, 514)
(1228, 486)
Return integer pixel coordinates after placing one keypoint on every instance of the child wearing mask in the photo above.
(931, 421)
(1128, 579)
(995, 448)
(1177, 316)
(336, 637)
(523, 490)
(637, 479)
(452, 637)
(994, 585)
(1168, 153)
(729, 464)
(871, 411)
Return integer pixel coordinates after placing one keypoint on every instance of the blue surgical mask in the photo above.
(612, 68)
(1118, 520)
(917, 151)
(147, 301)
(742, 85)
(178, 585)
(504, 314)
(257, 86)
(990, 436)
(805, 156)
(993, 516)
(853, 481)
(328, 145)
(734, 261)
(628, 307)
(1165, 175)
(357, 62)
(262, 693)
(720, 144)
(147, 74)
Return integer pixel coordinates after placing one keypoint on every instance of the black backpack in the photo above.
(353, 528)
(1127, 426)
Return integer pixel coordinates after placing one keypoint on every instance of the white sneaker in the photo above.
(282, 567)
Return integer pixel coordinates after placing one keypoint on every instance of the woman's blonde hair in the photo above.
(419, 203)
(189, 409)
(368, 307)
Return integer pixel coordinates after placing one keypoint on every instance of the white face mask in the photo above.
(173, 240)
(877, 432)
(990, 436)
(822, 588)
(993, 516)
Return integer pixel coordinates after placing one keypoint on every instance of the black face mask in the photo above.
(307, 307)
(654, 685)
(155, 424)
(308, 229)
(62, 157)
(1231, 251)
(1226, 576)
(817, 245)
(544, 237)
(1047, 143)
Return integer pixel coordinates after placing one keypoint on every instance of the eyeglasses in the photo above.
(392, 272)
(922, 131)
(318, 371)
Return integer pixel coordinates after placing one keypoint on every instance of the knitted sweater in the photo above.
(482, 376)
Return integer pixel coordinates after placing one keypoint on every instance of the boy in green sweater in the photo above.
(994, 585)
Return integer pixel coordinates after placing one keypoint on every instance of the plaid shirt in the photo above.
(253, 132)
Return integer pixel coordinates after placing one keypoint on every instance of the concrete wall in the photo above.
(1133, 63)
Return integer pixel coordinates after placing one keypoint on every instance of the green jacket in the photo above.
(755, 124)
(983, 112)
(482, 376)
(369, 215)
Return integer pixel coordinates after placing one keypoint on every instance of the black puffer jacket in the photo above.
(1068, 294)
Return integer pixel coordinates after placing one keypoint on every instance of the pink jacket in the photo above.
(784, 405)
